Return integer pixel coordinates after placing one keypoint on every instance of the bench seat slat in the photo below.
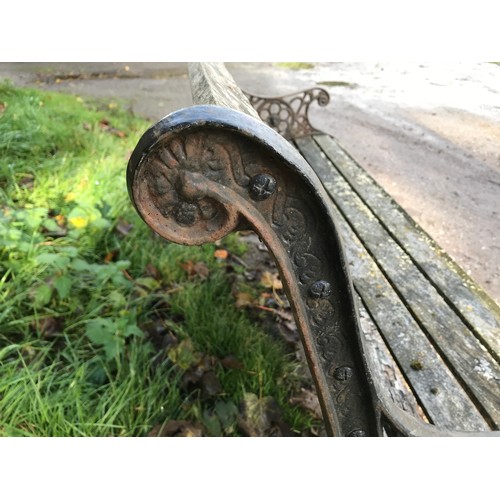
(443, 398)
(477, 309)
(387, 376)
(477, 369)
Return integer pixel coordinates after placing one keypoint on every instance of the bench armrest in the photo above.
(213, 168)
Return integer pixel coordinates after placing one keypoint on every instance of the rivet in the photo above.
(261, 187)
(357, 433)
(343, 373)
(320, 289)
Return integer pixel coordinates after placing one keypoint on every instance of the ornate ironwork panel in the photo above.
(289, 114)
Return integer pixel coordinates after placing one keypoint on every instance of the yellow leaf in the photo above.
(78, 222)
(243, 299)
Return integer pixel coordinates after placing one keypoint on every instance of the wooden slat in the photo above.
(387, 376)
(480, 312)
(463, 351)
(211, 83)
(442, 397)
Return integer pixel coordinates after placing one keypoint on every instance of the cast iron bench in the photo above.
(398, 339)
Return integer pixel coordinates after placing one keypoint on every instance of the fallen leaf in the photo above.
(231, 363)
(27, 181)
(176, 428)
(151, 271)
(184, 355)
(106, 126)
(201, 269)
(221, 254)
(266, 280)
(262, 417)
(277, 284)
(243, 299)
(3, 107)
(309, 401)
(271, 280)
(123, 227)
(48, 327)
(210, 385)
(60, 220)
(188, 266)
(111, 256)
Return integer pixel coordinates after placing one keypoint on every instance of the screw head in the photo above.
(320, 289)
(343, 373)
(357, 433)
(261, 187)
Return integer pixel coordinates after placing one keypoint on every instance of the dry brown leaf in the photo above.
(60, 220)
(231, 362)
(201, 269)
(177, 428)
(267, 279)
(3, 107)
(188, 266)
(309, 401)
(151, 271)
(123, 227)
(262, 417)
(48, 326)
(243, 299)
(271, 280)
(111, 256)
(277, 284)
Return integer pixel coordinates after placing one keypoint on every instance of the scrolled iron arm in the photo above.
(205, 171)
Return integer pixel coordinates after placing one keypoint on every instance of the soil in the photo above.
(428, 133)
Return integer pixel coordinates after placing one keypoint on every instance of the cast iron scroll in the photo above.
(289, 114)
(205, 171)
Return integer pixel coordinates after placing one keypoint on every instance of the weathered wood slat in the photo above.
(480, 312)
(442, 397)
(462, 350)
(386, 374)
(211, 83)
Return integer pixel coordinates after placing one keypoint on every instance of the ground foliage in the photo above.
(106, 330)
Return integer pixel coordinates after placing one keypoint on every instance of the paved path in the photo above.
(430, 134)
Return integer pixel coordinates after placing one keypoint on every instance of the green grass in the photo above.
(88, 294)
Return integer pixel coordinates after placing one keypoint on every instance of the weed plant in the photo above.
(101, 327)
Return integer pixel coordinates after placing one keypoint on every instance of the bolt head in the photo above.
(320, 289)
(261, 187)
(357, 433)
(343, 373)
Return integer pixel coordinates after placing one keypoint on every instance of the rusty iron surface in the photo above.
(205, 171)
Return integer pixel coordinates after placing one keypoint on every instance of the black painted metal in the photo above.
(231, 169)
(205, 171)
(289, 114)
